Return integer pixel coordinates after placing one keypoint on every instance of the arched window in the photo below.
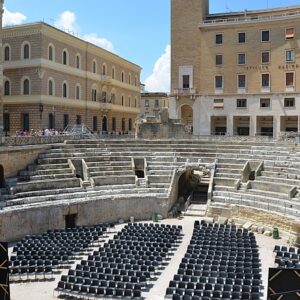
(50, 53)
(129, 124)
(94, 94)
(26, 87)
(6, 88)
(7, 53)
(26, 51)
(94, 67)
(50, 87)
(129, 78)
(103, 69)
(65, 90)
(122, 101)
(122, 76)
(77, 92)
(113, 73)
(78, 62)
(129, 101)
(65, 57)
(113, 98)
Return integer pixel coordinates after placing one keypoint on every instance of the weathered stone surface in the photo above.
(247, 225)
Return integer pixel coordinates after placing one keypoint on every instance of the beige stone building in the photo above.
(53, 79)
(153, 103)
(1, 71)
(235, 73)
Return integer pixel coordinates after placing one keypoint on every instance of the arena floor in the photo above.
(44, 290)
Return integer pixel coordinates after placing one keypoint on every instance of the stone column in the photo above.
(276, 126)
(1, 71)
(229, 125)
(252, 125)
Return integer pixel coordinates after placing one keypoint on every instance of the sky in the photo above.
(137, 30)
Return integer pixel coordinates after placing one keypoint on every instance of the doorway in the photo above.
(70, 221)
(104, 124)
(2, 180)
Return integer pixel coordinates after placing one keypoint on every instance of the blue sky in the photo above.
(137, 30)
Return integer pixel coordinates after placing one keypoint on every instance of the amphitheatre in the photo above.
(111, 188)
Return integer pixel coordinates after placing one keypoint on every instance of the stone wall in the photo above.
(14, 159)
(17, 223)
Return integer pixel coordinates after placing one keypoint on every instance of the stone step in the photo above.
(197, 210)
(276, 179)
(112, 173)
(45, 185)
(228, 175)
(46, 172)
(48, 167)
(228, 171)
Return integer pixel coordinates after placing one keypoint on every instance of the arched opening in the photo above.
(186, 116)
(2, 180)
(104, 124)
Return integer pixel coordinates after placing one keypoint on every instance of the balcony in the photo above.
(185, 92)
(105, 79)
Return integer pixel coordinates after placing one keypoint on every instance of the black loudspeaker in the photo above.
(284, 284)
(4, 272)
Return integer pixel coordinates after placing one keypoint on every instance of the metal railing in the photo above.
(249, 19)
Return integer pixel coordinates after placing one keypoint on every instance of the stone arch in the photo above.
(2, 179)
(186, 115)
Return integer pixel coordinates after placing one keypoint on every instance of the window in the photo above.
(122, 76)
(219, 82)
(113, 125)
(113, 73)
(219, 59)
(129, 124)
(26, 87)
(129, 79)
(78, 120)
(77, 92)
(219, 38)
(26, 51)
(65, 57)
(78, 61)
(94, 95)
(7, 53)
(6, 88)
(65, 90)
(289, 102)
(290, 55)
(94, 67)
(241, 81)
(186, 81)
(289, 79)
(95, 124)
(135, 102)
(50, 53)
(146, 103)
(6, 122)
(218, 103)
(113, 98)
(265, 102)
(66, 120)
(241, 58)
(50, 87)
(104, 69)
(242, 37)
(129, 101)
(156, 103)
(122, 100)
(265, 80)
(241, 103)
(289, 33)
(104, 96)
(265, 35)
(265, 57)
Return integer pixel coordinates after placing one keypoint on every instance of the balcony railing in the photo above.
(185, 92)
(105, 78)
(248, 18)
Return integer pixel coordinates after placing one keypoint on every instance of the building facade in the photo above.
(152, 104)
(235, 73)
(1, 72)
(53, 79)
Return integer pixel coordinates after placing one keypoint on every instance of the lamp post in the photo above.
(1, 72)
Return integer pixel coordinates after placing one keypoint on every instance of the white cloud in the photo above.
(101, 42)
(67, 21)
(12, 18)
(159, 80)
